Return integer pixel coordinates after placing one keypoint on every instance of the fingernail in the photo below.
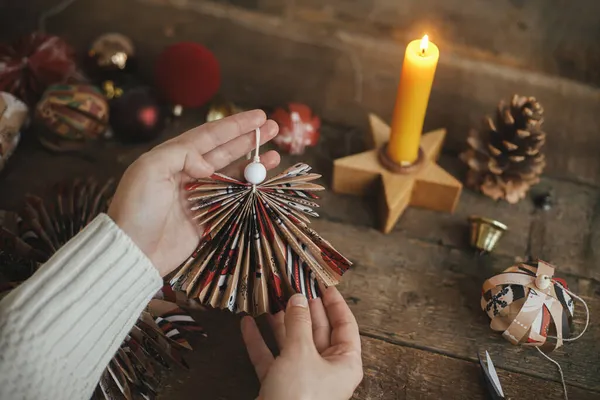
(298, 300)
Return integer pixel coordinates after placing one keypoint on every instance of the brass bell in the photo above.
(485, 233)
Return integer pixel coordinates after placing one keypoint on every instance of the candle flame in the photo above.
(424, 44)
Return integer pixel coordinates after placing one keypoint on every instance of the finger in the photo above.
(298, 326)
(259, 353)
(278, 326)
(185, 153)
(209, 136)
(320, 325)
(344, 329)
(270, 160)
(225, 154)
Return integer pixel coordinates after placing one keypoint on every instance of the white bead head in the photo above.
(255, 173)
(542, 282)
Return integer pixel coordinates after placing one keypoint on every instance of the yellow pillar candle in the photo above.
(418, 70)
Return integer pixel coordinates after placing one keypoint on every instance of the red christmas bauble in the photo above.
(187, 74)
(34, 62)
(298, 128)
(136, 115)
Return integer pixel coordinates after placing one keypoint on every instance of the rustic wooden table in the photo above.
(415, 292)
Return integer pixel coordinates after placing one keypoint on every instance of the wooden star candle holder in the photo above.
(424, 184)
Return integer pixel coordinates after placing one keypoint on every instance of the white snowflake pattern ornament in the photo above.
(298, 128)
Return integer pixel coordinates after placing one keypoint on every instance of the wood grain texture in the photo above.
(427, 186)
(424, 295)
(565, 235)
(550, 38)
(418, 287)
(398, 372)
(343, 71)
(220, 369)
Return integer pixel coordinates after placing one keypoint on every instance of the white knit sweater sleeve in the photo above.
(60, 328)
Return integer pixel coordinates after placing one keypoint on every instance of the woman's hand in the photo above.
(150, 205)
(320, 355)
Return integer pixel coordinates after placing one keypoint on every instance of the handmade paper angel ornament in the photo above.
(257, 248)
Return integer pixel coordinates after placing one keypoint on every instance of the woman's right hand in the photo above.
(320, 352)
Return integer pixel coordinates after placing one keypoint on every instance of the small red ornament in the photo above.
(298, 128)
(34, 62)
(187, 74)
(136, 115)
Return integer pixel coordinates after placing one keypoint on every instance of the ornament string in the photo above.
(560, 371)
(587, 322)
(256, 155)
(255, 172)
(55, 10)
(587, 315)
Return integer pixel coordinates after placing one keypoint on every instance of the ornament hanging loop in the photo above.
(256, 152)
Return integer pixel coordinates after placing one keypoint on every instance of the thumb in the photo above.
(298, 325)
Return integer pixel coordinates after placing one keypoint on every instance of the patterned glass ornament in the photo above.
(69, 115)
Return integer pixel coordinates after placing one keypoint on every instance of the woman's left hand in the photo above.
(150, 205)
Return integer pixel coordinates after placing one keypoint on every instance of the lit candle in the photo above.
(418, 70)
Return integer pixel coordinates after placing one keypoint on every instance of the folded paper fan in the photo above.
(154, 344)
(529, 306)
(257, 248)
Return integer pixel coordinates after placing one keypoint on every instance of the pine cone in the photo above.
(504, 158)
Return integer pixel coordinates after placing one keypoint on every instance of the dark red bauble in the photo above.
(34, 62)
(187, 74)
(137, 115)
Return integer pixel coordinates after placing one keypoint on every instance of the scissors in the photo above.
(490, 377)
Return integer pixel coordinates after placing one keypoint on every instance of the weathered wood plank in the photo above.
(321, 65)
(396, 257)
(557, 42)
(220, 369)
(420, 294)
(563, 235)
(400, 285)
(32, 169)
(398, 372)
(219, 365)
